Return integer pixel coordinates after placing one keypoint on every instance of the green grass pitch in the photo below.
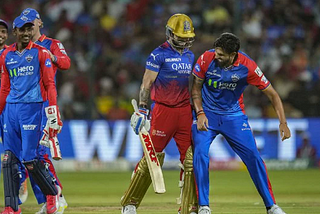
(297, 192)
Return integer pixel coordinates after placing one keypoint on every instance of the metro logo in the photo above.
(152, 155)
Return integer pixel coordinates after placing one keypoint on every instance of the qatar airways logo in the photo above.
(182, 68)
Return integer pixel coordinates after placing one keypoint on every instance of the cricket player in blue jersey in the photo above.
(221, 75)
(3, 46)
(3, 37)
(27, 81)
(60, 61)
(166, 79)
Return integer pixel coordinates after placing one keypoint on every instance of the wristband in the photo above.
(200, 112)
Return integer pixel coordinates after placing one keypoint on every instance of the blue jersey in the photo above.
(222, 90)
(27, 76)
(171, 87)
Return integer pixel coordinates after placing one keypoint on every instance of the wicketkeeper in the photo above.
(27, 81)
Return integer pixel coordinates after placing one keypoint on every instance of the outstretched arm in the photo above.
(196, 95)
(278, 107)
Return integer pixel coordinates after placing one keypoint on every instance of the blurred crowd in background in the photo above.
(108, 42)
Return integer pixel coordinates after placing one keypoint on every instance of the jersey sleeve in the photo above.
(47, 73)
(62, 60)
(202, 64)
(5, 83)
(154, 61)
(256, 76)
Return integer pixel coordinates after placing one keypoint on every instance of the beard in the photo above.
(222, 64)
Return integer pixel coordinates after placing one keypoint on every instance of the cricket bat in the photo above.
(151, 157)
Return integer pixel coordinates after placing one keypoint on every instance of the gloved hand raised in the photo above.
(139, 118)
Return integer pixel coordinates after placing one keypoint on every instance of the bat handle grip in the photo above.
(135, 105)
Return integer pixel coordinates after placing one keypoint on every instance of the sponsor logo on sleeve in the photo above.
(48, 63)
(258, 72)
(64, 52)
(152, 65)
(197, 67)
(264, 79)
(60, 45)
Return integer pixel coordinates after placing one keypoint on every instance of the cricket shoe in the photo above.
(23, 192)
(53, 202)
(43, 209)
(129, 209)
(62, 204)
(204, 210)
(275, 209)
(9, 210)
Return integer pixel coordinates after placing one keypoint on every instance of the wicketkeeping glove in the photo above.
(54, 122)
(52, 143)
(139, 120)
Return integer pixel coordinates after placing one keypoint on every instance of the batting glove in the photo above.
(139, 120)
(54, 122)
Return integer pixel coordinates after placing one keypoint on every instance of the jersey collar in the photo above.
(42, 37)
(184, 51)
(29, 46)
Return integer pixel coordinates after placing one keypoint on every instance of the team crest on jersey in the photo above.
(235, 77)
(186, 26)
(29, 58)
